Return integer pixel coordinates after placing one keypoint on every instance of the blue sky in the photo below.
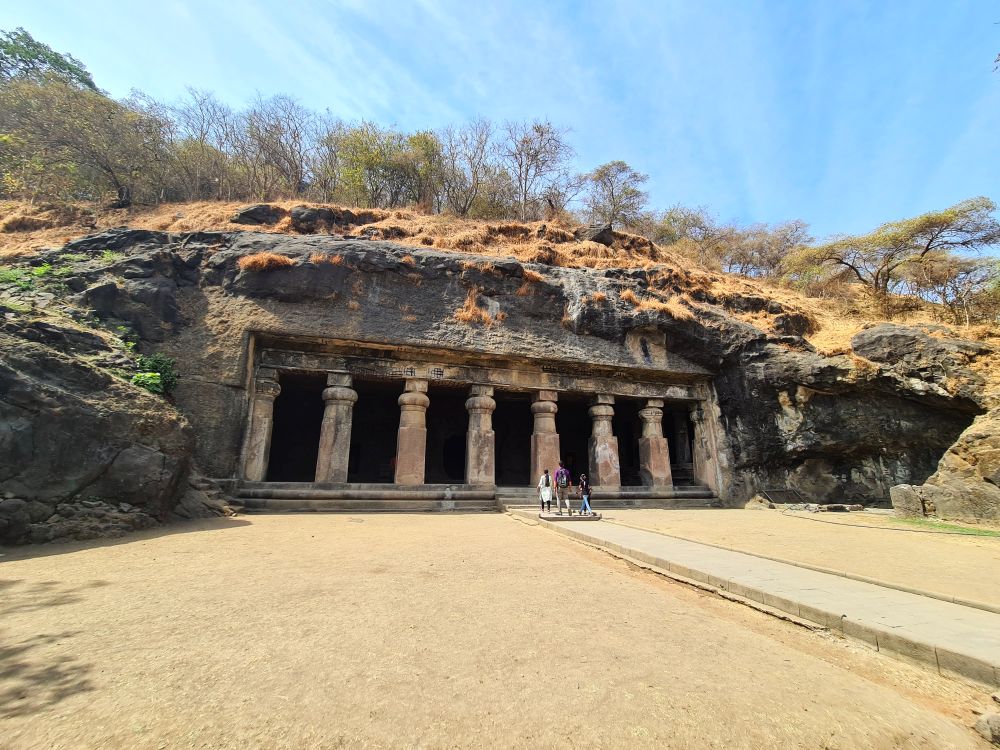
(842, 114)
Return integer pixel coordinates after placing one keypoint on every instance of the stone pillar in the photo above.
(682, 444)
(411, 443)
(654, 450)
(335, 434)
(700, 456)
(258, 441)
(480, 440)
(544, 438)
(605, 470)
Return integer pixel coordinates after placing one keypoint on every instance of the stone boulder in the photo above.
(308, 219)
(72, 434)
(966, 485)
(260, 213)
(599, 232)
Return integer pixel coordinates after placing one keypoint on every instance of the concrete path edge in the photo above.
(964, 666)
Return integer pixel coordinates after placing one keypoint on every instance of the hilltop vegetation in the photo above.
(73, 158)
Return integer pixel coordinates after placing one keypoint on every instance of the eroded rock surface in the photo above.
(835, 428)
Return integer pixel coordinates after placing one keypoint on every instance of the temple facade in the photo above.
(331, 413)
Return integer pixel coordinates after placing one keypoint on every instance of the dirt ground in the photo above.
(951, 565)
(303, 631)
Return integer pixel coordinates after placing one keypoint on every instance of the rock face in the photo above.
(835, 428)
(966, 485)
(81, 452)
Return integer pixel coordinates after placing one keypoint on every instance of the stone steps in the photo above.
(346, 505)
(694, 496)
(303, 497)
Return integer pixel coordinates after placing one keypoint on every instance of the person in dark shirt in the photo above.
(584, 490)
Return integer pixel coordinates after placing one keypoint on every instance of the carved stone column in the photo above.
(605, 470)
(544, 438)
(411, 443)
(700, 456)
(682, 446)
(654, 450)
(257, 447)
(335, 434)
(480, 441)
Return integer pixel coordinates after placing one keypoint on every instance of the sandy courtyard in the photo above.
(861, 544)
(324, 631)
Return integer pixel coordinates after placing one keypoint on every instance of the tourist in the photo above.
(545, 491)
(584, 490)
(563, 483)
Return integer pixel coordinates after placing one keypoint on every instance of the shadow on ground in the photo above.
(30, 679)
(29, 551)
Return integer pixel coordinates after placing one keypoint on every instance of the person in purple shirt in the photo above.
(563, 484)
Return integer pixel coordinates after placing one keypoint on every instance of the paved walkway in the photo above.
(951, 638)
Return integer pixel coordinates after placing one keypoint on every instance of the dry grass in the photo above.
(353, 305)
(629, 296)
(408, 260)
(599, 297)
(672, 273)
(530, 275)
(264, 262)
(471, 312)
(525, 290)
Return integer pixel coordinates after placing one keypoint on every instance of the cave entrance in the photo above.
(447, 426)
(513, 425)
(679, 431)
(627, 427)
(573, 426)
(298, 417)
(374, 431)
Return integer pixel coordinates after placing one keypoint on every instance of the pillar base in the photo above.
(410, 448)
(480, 457)
(654, 462)
(605, 470)
(544, 454)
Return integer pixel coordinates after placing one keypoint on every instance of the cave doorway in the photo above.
(298, 418)
(627, 427)
(679, 431)
(574, 427)
(447, 427)
(374, 429)
(513, 424)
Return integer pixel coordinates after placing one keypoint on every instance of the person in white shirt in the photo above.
(545, 491)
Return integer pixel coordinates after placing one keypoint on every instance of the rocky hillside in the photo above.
(82, 442)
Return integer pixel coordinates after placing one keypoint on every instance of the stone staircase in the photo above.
(308, 497)
(691, 496)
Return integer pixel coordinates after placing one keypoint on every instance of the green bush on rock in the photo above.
(157, 373)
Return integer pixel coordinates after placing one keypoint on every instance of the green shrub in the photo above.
(151, 381)
(72, 257)
(17, 276)
(110, 256)
(43, 270)
(162, 366)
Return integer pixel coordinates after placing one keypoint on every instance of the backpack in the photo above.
(562, 478)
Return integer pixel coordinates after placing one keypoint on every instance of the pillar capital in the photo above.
(415, 385)
(340, 393)
(545, 396)
(603, 398)
(338, 377)
(481, 390)
(267, 389)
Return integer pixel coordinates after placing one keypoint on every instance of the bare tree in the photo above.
(533, 153)
(466, 153)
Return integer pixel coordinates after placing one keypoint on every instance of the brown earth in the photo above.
(304, 631)
(882, 548)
